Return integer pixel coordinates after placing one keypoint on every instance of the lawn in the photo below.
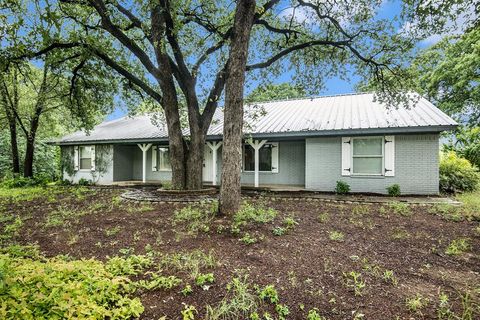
(73, 251)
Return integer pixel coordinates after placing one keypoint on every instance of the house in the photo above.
(309, 143)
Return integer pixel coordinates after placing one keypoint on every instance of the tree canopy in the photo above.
(269, 92)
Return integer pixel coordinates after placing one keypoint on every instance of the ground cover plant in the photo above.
(276, 259)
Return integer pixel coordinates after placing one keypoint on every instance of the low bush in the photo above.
(257, 213)
(59, 289)
(457, 174)
(85, 182)
(342, 187)
(394, 190)
(21, 182)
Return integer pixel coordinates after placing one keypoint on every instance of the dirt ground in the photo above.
(399, 255)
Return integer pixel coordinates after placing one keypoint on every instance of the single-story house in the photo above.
(308, 143)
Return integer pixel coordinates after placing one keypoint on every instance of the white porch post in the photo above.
(214, 147)
(256, 145)
(144, 147)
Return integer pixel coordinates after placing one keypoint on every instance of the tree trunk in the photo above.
(29, 155)
(230, 191)
(195, 161)
(14, 147)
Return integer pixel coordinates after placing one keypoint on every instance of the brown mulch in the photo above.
(306, 267)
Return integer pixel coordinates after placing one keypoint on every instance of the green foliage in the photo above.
(269, 293)
(204, 279)
(192, 262)
(314, 314)
(393, 190)
(85, 182)
(466, 144)
(279, 231)
(355, 281)
(187, 290)
(470, 205)
(54, 288)
(269, 92)
(253, 213)
(282, 310)
(196, 217)
(289, 222)
(131, 265)
(336, 235)
(457, 174)
(416, 303)
(342, 187)
(188, 312)
(248, 239)
(238, 303)
(157, 281)
(458, 246)
(400, 208)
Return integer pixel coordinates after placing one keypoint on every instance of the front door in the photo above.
(207, 164)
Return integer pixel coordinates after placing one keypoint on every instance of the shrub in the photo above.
(269, 293)
(84, 182)
(342, 187)
(393, 190)
(457, 174)
(55, 288)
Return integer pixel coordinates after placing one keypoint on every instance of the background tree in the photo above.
(269, 92)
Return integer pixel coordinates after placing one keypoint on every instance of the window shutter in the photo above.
(154, 158)
(75, 158)
(389, 156)
(346, 156)
(93, 158)
(274, 157)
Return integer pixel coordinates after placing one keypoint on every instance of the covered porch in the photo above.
(265, 164)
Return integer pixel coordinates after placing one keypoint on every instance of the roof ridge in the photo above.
(312, 97)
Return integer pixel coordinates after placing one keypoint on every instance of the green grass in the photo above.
(470, 205)
(29, 193)
(458, 246)
(336, 236)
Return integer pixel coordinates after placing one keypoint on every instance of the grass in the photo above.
(400, 208)
(336, 236)
(416, 303)
(192, 262)
(470, 205)
(458, 246)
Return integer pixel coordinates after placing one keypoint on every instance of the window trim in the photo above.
(352, 157)
(158, 158)
(271, 158)
(80, 158)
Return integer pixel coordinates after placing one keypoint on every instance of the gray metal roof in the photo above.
(329, 115)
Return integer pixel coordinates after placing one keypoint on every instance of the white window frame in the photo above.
(352, 156)
(92, 155)
(272, 170)
(158, 158)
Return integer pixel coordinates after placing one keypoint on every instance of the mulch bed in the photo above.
(306, 267)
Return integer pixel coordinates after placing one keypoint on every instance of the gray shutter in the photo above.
(93, 158)
(346, 156)
(275, 162)
(389, 156)
(76, 159)
(154, 158)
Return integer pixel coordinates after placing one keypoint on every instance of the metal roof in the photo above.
(329, 115)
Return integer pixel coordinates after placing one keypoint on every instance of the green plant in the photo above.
(131, 265)
(279, 231)
(342, 187)
(416, 303)
(33, 289)
(336, 235)
(400, 208)
(84, 182)
(192, 262)
(314, 314)
(269, 293)
(112, 231)
(282, 311)
(323, 217)
(238, 303)
(250, 213)
(289, 222)
(458, 246)
(354, 280)
(167, 185)
(188, 312)
(248, 239)
(187, 290)
(203, 279)
(457, 174)
(196, 218)
(393, 190)
(157, 281)
(389, 276)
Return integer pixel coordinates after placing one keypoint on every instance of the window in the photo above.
(368, 156)
(85, 155)
(265, 158)
(164, 159)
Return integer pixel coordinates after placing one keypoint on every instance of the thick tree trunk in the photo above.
(195, 161)
(230, 192)
(29, 155)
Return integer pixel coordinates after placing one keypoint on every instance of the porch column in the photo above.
(256, 145)
(144, 147)
(214, 145)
